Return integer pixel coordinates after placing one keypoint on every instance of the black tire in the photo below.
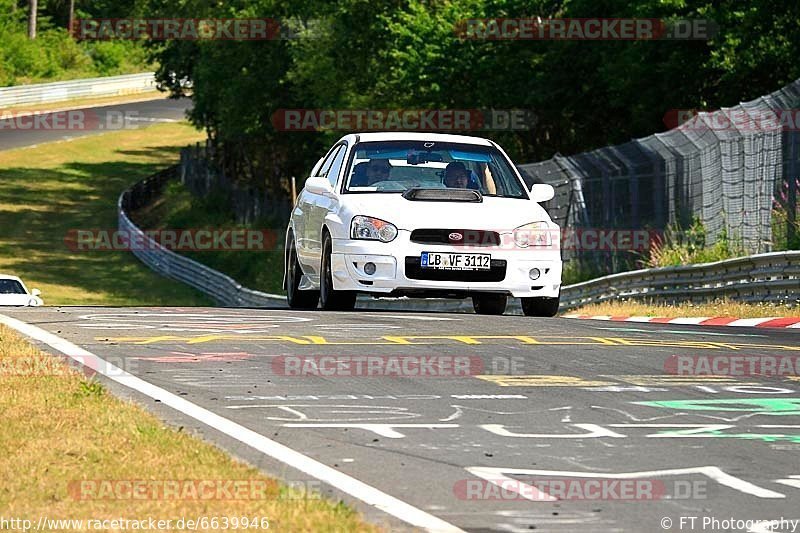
(540, 306)
(330, 298)
(489, 304)
(296, 298)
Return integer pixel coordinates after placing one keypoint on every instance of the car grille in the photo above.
(470, 237)
(496, 273)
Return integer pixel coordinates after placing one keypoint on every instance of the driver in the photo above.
(378, 170)
(456, 175)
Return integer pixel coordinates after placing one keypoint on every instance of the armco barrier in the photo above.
(771, 277)
(45, 93)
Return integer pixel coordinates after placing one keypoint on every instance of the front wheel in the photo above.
(540, 306)
(331, 299)
(489, 304)
(296, 298)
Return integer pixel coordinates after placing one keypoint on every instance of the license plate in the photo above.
(445, 261)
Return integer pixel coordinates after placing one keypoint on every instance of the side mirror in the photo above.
(541, 192)
(36, 292)
(318, 185)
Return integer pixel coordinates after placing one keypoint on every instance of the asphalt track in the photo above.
(548, 400)
(21, 132)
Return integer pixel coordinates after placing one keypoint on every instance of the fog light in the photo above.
(534, 273)
(370, 268)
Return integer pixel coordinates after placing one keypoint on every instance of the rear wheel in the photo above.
(331, 299)
(296, 298)
(489, 304)
(540, 306)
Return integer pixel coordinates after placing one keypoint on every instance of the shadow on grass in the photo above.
(38, 207)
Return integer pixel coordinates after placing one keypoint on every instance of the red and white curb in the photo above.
(768, 322)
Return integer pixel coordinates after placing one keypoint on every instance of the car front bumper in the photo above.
(397, 269)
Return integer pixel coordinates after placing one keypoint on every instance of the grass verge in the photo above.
(718, 308)
(60, 428)
(176, 208)
(48, 190)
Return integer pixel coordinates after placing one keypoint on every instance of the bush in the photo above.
(689, 247)
(54, 56)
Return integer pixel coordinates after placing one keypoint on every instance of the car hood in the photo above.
(497, 214)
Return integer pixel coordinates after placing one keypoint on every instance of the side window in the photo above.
(336, 167)
(326, 165)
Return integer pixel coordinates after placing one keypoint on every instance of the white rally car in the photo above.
(421, 215)
(14, 293)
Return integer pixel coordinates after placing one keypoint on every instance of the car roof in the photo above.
(416, 136)
(8, 276)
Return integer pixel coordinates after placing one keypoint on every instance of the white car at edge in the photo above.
(422, 215)
(13, 292)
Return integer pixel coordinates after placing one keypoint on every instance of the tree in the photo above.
(32, 15)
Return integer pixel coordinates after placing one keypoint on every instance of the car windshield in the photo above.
(396, 166)
(11, 286)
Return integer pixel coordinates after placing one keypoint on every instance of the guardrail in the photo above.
(771, 277)
(45, 93)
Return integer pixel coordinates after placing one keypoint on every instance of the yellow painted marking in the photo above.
(542, 381)
(673, 381)
(316, 340)
(397, 340)
(471, 340)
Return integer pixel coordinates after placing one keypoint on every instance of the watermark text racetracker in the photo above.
(403, 119)
(733, 365)
(377, 366)
(191, 490)
(189, 29)
(594, 489)
(734, 120)
(179, 240)
(584, 29)
(72, 120)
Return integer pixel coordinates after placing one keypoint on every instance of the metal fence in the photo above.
(45, 93)
(731, 178)
(771, 277)
(249, 204)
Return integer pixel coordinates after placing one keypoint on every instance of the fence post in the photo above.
(791, 203)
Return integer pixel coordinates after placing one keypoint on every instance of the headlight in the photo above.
(373, 229)
(533, 234)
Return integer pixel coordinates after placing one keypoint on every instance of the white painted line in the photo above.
(689, 320)
(639, 318)
(358, 489)
(796, 326)
(749, 321)
(413, 317)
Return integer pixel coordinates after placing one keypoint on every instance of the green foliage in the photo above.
(54, 55)
(89, 388)
(576, 272)
(386, 54)
(689, 247)
(178, 209)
